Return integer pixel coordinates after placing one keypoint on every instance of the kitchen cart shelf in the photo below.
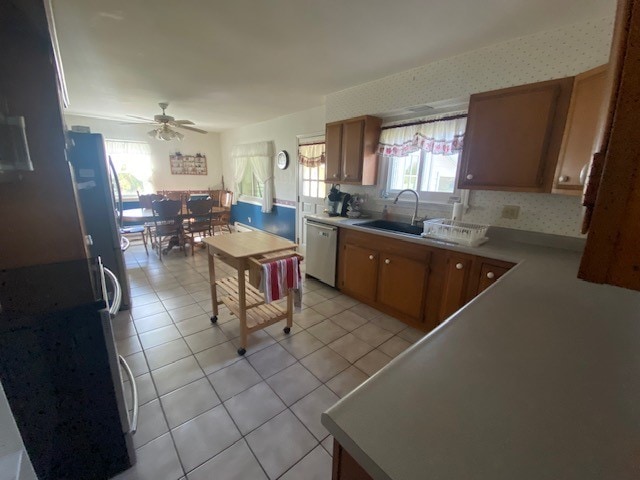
(230, 286)
(259, 316)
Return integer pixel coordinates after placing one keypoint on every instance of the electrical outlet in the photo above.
(510, 211)
(249, 219)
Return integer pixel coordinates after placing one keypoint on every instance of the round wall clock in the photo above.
(282, 160)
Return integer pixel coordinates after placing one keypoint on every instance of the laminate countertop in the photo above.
(536, 378)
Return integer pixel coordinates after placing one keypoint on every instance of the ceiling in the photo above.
(225, 64)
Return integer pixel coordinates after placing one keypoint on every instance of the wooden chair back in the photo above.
(146, 200)
(166, 216)
(226, 199)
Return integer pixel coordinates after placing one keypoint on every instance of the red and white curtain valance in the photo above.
(311, 155)
(439, 138)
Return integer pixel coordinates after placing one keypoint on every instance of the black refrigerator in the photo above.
(100, 201)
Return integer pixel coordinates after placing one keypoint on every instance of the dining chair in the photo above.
(223, 219)
(145, 201)
(167, 220)
(199, 220)
(134, 229)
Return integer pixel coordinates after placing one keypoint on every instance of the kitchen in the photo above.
(562, 208)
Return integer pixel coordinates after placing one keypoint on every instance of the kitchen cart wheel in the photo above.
(214, 319)
(287, 329)
(241, 351)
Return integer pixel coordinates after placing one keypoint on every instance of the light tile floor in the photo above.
(207, 413)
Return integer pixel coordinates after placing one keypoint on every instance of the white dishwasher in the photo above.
(322, 246)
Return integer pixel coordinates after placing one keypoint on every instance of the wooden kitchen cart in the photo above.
(241, 251)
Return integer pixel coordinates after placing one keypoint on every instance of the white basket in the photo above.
(453, 231)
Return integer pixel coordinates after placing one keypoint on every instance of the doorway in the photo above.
(312, 189)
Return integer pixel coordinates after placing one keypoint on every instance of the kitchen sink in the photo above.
(398, 227)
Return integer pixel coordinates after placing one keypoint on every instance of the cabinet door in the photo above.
(352, 153)
(454, 295)
(401, 284)
(333, 152)
(513, 137)
(359, 272)
(578, 144)
(489, 274)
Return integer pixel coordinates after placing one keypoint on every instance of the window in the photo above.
(423, 157)
(132, 161)
(313, 181)
(432, 176)
(249, 184)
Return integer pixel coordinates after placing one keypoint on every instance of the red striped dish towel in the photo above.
(278, 277)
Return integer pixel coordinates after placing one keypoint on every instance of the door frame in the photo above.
(301, 139)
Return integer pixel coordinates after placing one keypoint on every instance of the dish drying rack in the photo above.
(454, 231)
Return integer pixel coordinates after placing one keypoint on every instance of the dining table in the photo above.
(143, 215)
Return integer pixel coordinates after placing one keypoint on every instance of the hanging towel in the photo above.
(278, 277)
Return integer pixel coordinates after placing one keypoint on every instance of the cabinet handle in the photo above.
(491, 275)
(583, 173)
(370, 257)
(459, 266)
(563, 178)
(387, 261)
(469, 177)
(346, 175)
(335, 175)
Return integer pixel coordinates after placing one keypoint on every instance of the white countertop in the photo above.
(536, 378)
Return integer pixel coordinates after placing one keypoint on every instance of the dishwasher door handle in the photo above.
(323, 227)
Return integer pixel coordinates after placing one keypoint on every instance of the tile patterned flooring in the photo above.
(208, 413)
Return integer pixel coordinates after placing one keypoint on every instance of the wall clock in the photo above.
(282, 160)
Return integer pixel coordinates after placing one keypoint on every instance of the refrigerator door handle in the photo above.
(117, 182)
(133, 422)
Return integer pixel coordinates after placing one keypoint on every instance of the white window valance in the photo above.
(259, 156)
(311, 155)
(443, 137)
(124, 147)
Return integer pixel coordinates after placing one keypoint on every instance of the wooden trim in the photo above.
(424, 122)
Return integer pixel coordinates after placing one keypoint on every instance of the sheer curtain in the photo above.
(259, 156)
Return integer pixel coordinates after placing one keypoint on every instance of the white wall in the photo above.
(162, 179)
(542, 56)
(282, 131)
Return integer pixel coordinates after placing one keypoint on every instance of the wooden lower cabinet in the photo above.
(456, 283)
(360, 272)
(417, 284)
(345, 467)
(390, 275)
(487, 272)
(401, 284)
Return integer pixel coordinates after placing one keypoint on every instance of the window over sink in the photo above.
(423, 156)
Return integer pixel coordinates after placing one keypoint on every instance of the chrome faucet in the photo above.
(415, 212)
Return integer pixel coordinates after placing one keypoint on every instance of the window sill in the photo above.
(250, 199)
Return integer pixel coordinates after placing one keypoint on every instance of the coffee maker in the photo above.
(337, 202)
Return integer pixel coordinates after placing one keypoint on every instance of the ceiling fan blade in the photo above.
(151, 120)
(138, 123)
(182, 122)
(193, 129)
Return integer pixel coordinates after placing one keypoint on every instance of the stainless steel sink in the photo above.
(389, 226)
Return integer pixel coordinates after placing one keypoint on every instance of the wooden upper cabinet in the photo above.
(580, 135)
(611, 253)
(351, 150)
(513, 137)
(333, 151)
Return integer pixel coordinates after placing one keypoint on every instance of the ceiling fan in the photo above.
(164, 123)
